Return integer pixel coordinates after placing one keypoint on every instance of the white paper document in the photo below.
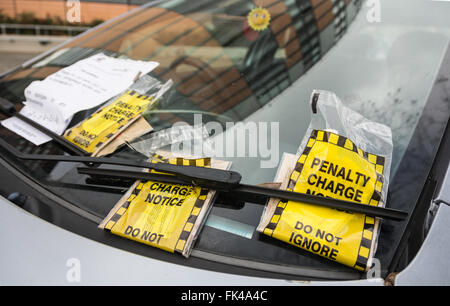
(48, 120)
(88, 83)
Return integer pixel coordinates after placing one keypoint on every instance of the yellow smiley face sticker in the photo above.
(258, 19)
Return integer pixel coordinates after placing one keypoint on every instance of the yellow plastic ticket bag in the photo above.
(331, 164)
(163, 215)
(100, 128)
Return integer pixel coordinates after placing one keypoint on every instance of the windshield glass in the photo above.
(381, 61)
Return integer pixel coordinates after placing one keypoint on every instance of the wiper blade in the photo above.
(8, 109)
(210, 177)
(374, 211)
(216, 179)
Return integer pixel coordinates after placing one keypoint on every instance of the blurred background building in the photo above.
(90, 10)
(30, 27)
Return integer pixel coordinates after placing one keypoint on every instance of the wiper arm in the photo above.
(374, 211)
(207, 177)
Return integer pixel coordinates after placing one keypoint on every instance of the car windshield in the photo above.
(381, 60)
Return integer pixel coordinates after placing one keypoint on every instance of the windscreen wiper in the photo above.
(210, 178)
(217, 179)
(7, 108)
(374, 211)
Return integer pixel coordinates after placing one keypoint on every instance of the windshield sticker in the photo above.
(258, 19)
(162, 215)
(103, 126)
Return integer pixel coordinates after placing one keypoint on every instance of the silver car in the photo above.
(388, 60)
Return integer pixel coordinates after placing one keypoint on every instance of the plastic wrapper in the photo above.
(181, 137)
(343, 156)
